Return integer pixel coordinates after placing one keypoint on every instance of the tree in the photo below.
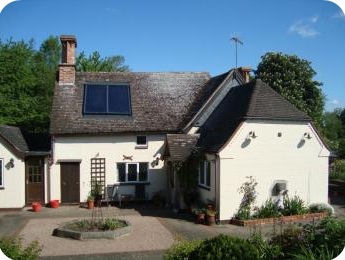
(332, 128)
(95, 63)
(292, 77)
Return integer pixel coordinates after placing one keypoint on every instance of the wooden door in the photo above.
(34, 179)
(70, 182)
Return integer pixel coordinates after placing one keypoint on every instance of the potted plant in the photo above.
(200, 215)
(211, 215)
(90, 202)
(54, 204)
(36, 206)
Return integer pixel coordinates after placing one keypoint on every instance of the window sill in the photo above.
(132, 183)
(141, 146)
(204, 187)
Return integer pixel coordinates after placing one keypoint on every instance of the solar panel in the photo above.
(107, 99)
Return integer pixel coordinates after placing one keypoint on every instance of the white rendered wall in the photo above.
(112, 148)
(12, 195)
(268, 158)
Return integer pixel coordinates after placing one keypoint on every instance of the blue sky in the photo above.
(194, 35)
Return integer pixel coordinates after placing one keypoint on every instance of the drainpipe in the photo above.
(215, 183)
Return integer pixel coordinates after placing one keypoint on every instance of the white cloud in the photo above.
(305, 28)
(339, 15)
(335, 102)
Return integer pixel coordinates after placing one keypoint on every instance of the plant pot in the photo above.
(200, 218)
(36, 207)
(54, 204)
(90, 204)
(210, 220)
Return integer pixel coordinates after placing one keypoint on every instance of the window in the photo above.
(1, 172)
(107, 100)
(132, 172)
(205, 174)
(141, 141)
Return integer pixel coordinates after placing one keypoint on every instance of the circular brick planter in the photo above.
(80, 235)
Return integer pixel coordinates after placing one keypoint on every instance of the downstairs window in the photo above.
(132, 172)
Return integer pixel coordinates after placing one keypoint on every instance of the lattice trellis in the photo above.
(98, 173)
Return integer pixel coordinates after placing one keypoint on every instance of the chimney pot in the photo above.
(245, 71)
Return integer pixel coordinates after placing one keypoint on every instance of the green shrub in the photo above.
(321, 207)
(12, 248)
(225, 247)
(181, 250)
(266, 250)
(293, 206)
(319, 254)
(111, 224)
(338, 170)
(268, 210)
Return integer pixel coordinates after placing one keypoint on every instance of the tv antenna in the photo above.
(237, 41)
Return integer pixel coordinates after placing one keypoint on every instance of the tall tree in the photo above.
(292, 77)
(94, 63)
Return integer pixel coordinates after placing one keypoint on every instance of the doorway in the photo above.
(70, 182)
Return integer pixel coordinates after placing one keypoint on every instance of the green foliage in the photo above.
(12, 248)
(306, 253)
(292, 77)
(321, 207)
(225, 247)
(85, 225)
(293, 206)
(266, 250)
(94, 63)
(248, 199)
(338, 170)
(181, 250)
(269, 209)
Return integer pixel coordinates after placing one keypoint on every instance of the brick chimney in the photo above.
(245, 71)
(67, 66)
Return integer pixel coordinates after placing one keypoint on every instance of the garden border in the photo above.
(282, 219)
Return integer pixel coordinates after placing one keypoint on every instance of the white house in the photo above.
(132, 129)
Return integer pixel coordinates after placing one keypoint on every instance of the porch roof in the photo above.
(178, 147)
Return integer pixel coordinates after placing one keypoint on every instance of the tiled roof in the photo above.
(178, 147)
(25, 143)
(254, 100)
(161, 102)
(13, 137)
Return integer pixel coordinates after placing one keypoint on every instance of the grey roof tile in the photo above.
(178, 147)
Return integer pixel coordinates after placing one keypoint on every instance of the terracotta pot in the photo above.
(36, 207)
(200, 218)
(90, 204)
(210, 220)
(54, 204)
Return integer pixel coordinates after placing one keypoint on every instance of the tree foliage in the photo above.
(26, 83)
(94, 63)
(292, 77)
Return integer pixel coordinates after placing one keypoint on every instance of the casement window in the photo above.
(1, 173)
(205, 174)
(141, 141)
(107, 99)
(133, 172)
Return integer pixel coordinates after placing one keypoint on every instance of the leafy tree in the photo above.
(332, 128)
(27, 81)
(292, 77)
(94, 62)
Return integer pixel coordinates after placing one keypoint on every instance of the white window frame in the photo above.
(137, 178)
(2, 169)
(204, 165)
(141, 146)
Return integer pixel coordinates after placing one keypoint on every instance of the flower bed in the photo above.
(282, 219)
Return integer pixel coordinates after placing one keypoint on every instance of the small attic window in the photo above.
(104, 99)
(141, 141)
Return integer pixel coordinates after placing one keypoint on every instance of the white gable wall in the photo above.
(12, 195)
(112, 148)
(269, 158)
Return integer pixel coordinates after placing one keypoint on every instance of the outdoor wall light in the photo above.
(10, 164)
(155, 162)
(307, 135)
(252, 134)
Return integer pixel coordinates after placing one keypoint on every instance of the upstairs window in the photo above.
(141, 141)
(107, 99)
